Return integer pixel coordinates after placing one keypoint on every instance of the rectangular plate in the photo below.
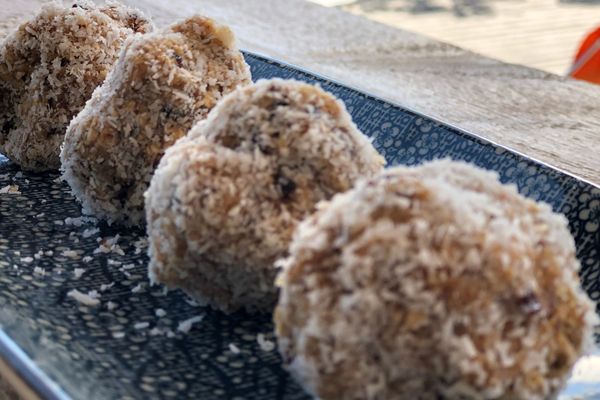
(64, 349)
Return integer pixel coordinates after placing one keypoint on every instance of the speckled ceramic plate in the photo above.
(123, 349)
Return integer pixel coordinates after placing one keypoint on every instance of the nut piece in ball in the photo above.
(225, 200)
(49, 68)
(435, 280)
(161, 85)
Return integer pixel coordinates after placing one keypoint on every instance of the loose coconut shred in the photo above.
(435, 280)
(49, 68)
(162, 84)
(225, 200)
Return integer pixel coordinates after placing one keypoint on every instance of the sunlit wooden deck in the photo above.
(542, 34)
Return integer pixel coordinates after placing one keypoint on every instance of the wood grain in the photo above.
(553, 119)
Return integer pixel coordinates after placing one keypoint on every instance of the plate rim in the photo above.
(25, 367)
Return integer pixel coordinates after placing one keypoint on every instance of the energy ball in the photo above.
(49, 68)
(225, 200)
(437, 281)
(161, 85)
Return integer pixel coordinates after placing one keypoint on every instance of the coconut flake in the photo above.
(186, 326)
(83, 298)
(141, 325)
(90, 232)
(155, 331)
(78, 272)
(140, 245)
(138, 288)
(70, 254)
(10, 189)
(265, 344)
(102, 249)
(192, 302)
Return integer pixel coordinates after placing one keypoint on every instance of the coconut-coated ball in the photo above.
(225, 200)
(161, 85)
(49, 68)
(432, 282)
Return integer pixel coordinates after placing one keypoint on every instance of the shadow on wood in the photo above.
(460, 8)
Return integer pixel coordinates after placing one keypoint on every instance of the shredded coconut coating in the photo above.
(49, 68)
(435, 280)
(225, 200)
(161, 85)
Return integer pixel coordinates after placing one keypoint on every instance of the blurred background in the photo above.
(543, 34)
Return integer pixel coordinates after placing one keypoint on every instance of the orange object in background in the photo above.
(587, 61)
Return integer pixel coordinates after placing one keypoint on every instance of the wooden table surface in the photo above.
(547, 117)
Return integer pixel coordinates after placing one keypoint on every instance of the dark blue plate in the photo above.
(64, 349)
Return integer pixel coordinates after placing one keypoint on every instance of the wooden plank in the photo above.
(13, 386)
(536, 33)
(548, 117)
